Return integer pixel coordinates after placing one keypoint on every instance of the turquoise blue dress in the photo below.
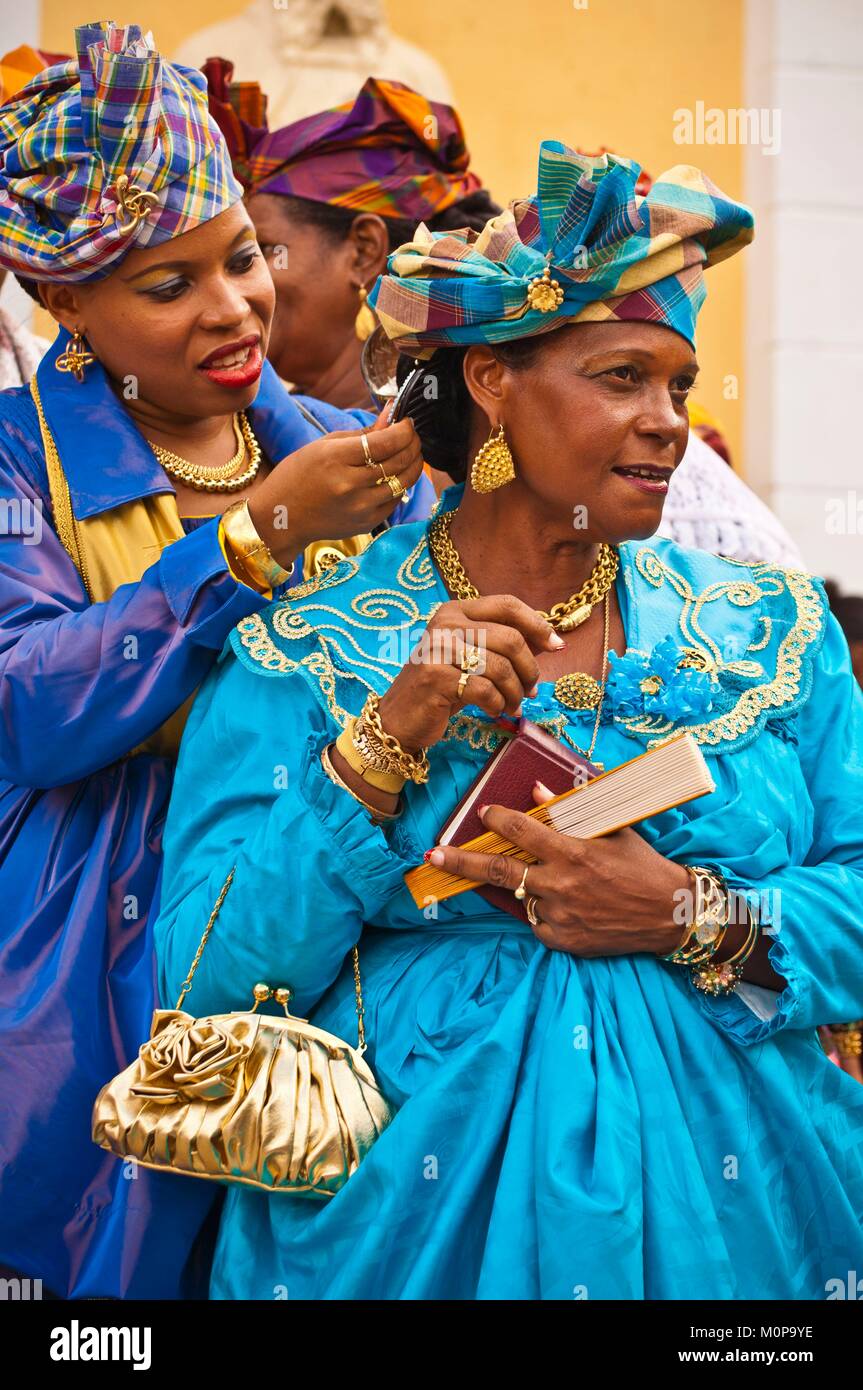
(565, 1128)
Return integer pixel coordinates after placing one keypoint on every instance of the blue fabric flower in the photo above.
(543, 705)
(655, 684)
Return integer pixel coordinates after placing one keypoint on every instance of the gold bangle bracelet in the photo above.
(705, 932)
(723, 977)
(252, 553)
(358, 758)
(374, 811)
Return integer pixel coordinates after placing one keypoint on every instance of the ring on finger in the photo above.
(521, 891)
(367, 453)
(471, 660)
(532, 915)
(396, 488)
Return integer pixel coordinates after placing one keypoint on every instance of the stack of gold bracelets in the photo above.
(375, 756)
(705, 932)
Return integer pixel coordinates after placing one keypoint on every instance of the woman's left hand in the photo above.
(609, 897)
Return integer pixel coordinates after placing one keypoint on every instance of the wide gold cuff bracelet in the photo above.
(263, 569)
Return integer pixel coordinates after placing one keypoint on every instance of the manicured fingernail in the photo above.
(427, 856)
(544, 791)
(482, 810)
(555, 642)
(437, 857)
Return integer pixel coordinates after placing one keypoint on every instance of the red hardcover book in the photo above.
(531, 755)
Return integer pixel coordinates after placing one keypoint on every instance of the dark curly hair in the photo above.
(440, 404)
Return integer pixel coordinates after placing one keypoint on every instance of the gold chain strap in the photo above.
(187, 983)
(61, 498)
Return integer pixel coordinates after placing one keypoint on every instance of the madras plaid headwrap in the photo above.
(614, 253)
(391, 151)
(84, 138)
(239, 110)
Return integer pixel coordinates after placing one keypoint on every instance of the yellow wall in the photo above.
(612, 74)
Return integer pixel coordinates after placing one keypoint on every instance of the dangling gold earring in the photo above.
(76, 357)
(365, 322)
(493, 466)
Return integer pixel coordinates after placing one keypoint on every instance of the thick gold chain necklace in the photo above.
(218, 478)
(563, 617)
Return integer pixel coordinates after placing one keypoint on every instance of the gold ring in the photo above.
(530, 909)
(471, 659)
(367, 451)
(521, 891)
(462, 682)
(395, 486)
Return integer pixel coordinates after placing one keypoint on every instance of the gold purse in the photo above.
(271, 1102)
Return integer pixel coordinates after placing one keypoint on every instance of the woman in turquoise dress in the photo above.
(575, 1115)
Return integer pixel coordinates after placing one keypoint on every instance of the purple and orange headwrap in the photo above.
(391, 151)
(104, 153)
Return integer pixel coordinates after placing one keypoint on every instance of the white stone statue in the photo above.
(308, 55)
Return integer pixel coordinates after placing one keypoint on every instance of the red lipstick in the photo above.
(235, 364)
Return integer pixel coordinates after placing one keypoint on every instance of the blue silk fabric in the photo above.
(566, 1128)
(81, 824)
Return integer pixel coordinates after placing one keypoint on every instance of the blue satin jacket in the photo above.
(81, 822)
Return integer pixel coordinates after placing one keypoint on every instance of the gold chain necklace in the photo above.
(563, 617)
(218, 478)
(563, 687)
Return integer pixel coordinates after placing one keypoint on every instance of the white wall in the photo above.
(804, 331)
(19, 23)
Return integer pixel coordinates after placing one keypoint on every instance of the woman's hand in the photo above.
(505, 634)
(327, 489)
(609, 897)
(853, 1065)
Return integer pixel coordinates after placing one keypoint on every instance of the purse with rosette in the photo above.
(271, 1102)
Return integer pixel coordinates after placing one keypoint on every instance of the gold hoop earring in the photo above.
(365, 322)
(493, 466)
(76, 357)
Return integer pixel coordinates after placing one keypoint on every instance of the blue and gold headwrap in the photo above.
(586, 248)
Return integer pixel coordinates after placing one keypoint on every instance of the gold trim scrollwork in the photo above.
(764, 581)
(341, 649)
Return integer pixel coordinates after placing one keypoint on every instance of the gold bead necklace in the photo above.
(217, 478)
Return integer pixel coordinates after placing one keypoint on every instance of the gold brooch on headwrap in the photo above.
(543, 293)
(133, 204)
